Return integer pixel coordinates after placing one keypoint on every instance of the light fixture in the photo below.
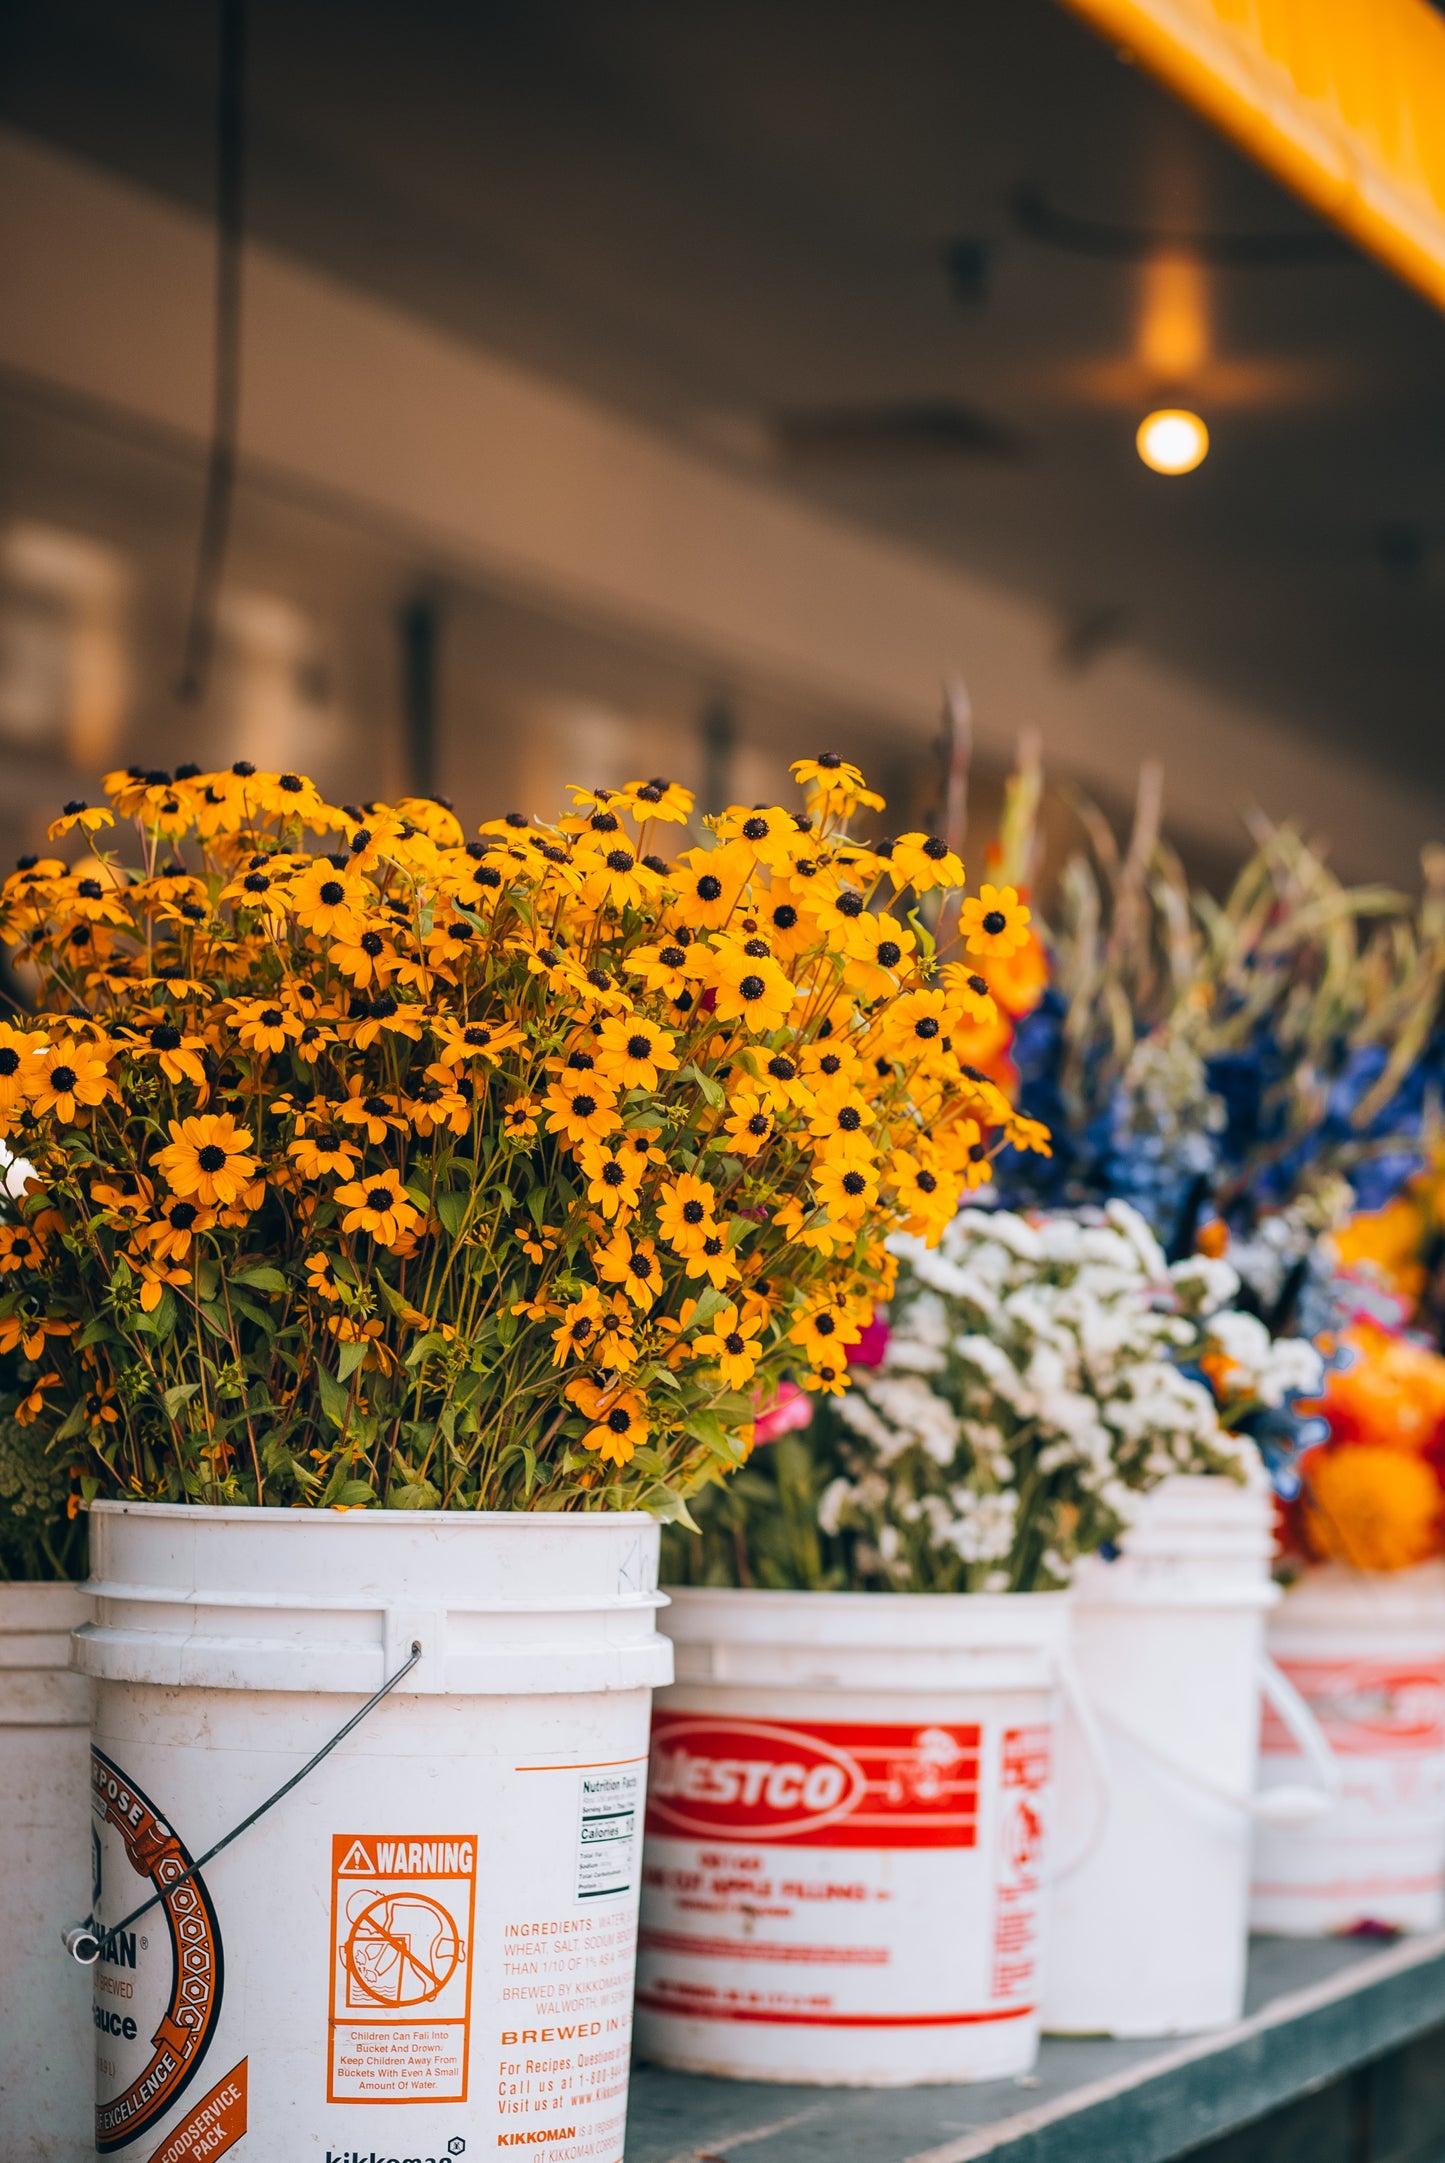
(1172, 441)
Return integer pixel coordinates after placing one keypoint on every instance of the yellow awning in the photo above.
(1342, 100)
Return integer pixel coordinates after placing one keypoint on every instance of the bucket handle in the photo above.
(1282, 1806)
(1102, 1780)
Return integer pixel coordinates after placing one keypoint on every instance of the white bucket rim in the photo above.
(242, 1513)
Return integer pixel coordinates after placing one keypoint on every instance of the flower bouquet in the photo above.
(415, 1219)
(396, 1167)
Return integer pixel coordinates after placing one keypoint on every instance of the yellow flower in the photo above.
(178, 1056)
(263, 1025)
(74, 1075)
(633, 1265)
(838, 1127)
(915, 1024)
(769, 834)
(750, 1124)
(620, 1431)
(663, 967)
(994, 922)
(578, 1329)
(206, 1157)
(20, 1064)
(835, 788)
(633, 1053)
(21, 1247)
(373, 1110)
(685, 1213)
(378, 1204)
(752, 988)
(659, 799)
(731, 1345)
(582, 1108)
(519, 1118)
(827, 1379)
(712, 1258)
(316, 1155)
(824, 1332)
(330, 900)
(79, 814)
(708, 883)
(879, 950)
(923, 862)
(170, 1237)
(612, 1178)
(366, 959)
(846, 1188)
(460, 1042)
(968, 995)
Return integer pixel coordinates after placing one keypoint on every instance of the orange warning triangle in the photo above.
(356, 1863)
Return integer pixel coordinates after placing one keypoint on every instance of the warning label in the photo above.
(607, 1832)
(402, 1910)
(1024, 1779)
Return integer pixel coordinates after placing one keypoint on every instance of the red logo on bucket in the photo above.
(1367, 1708)
(821, 1786)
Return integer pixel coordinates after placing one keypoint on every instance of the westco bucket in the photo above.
(843, 1877)
(1148, 1936)
(1367, 1653)
(45, 2013)
(426, 1948)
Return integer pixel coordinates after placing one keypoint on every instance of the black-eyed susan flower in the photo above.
(707, 884)
(712, 1258)
(633, 1053)
(330, 900)
(79, 816)
(177, 1225)
(619, 1432)
(612, 1178)
(320, 1155)
(751, 988)
(379, 1206)
(846, 1187)
(208, 1158)
(994, 922)
(749, 1124)
(924, 862)
(731, 1344)
(631, 1264)
(685, 1208)
(375, 1112)
(581, 1108)
(72, 1077)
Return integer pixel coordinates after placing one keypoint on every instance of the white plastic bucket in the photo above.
(45, 2018)
(1367, 1653)
(426, 1949)
(846, 1820)
(1149, 1936)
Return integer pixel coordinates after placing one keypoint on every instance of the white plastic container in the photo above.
(849, 1795)
(1149, 1936)
(45, 2019)
(1367, 1653)
(427, 1948)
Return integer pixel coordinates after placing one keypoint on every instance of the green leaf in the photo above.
(713, 1092)
(419, 1197)
(181, 1393)
(419, 1495)
(160, 1322)
(96, 1331)
(74, 1425)
(264, 1278)
(425, 1346)
(353, 1493)
(333, 1396)
(712, 1302)
(452, 1209)
(350, 1359)
(215, 1320)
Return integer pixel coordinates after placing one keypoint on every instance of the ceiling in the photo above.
(890, 256)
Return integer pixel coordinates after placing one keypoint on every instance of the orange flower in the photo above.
(1374, 1509)
(207, 1157)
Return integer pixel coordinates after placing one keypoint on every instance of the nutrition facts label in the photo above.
(607, 1828)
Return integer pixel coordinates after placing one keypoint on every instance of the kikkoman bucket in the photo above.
(1367, 1653)
(844, 1871)
(1149, 1936)
(45, 2012)
(426, 1948)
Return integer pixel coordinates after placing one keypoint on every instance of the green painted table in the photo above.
(1340, 2059)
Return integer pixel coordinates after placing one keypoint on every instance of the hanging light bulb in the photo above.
(1172, 440)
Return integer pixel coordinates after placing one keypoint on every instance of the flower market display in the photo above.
(414, 1221)
(507, 1172)
(1037, 1377)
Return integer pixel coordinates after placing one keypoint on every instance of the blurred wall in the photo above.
(605, 603)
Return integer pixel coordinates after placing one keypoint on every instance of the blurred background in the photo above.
(640, 388)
